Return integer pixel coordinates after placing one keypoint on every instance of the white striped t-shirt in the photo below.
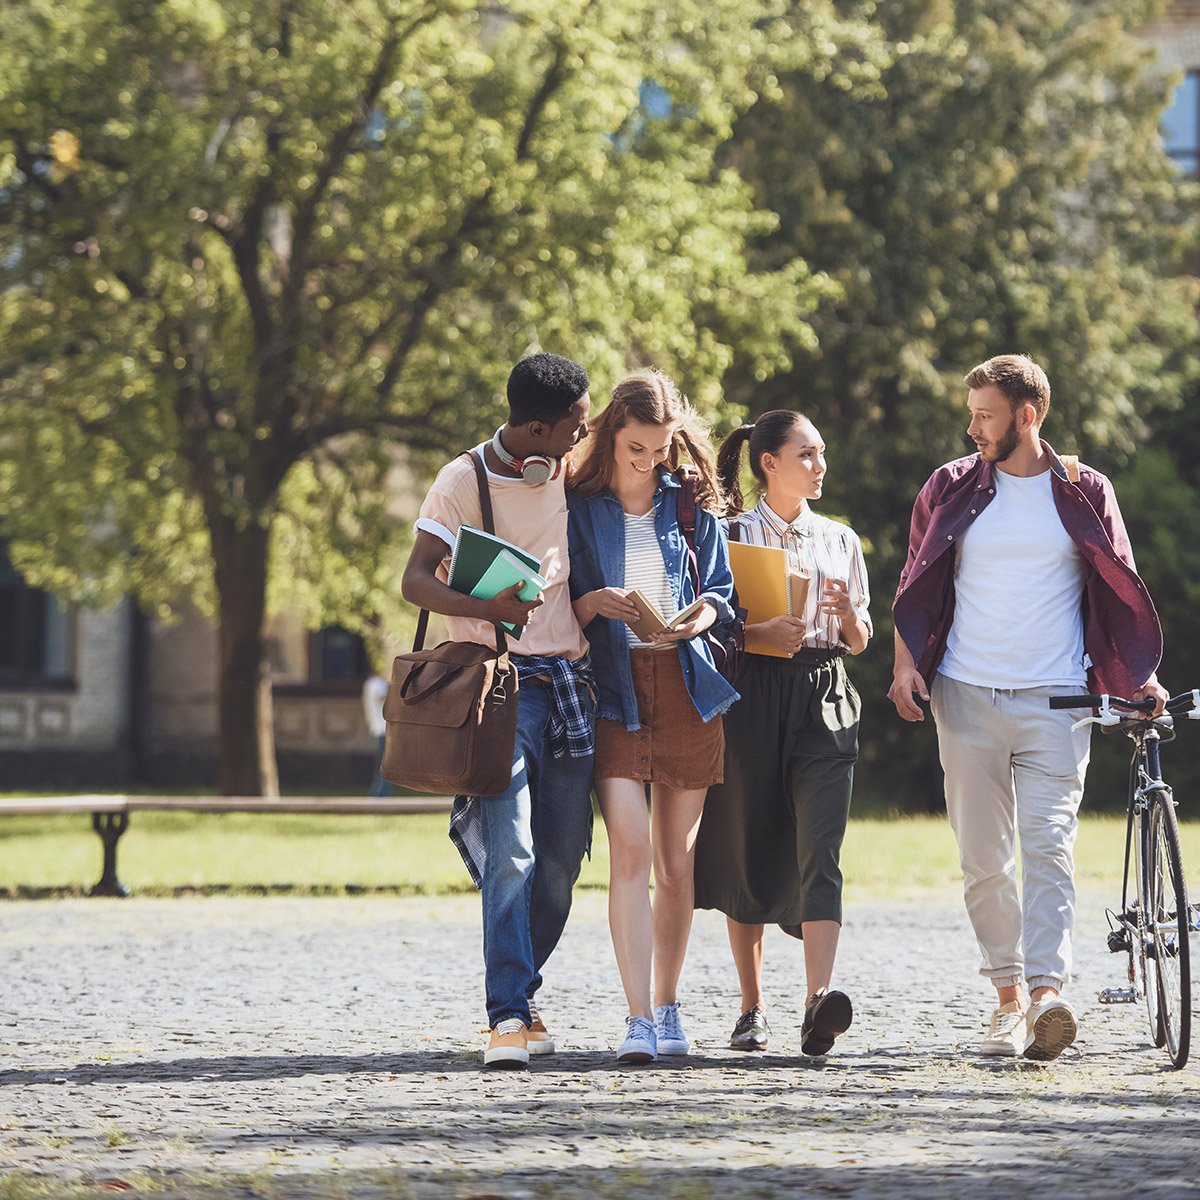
(822, 548)
(645, 569)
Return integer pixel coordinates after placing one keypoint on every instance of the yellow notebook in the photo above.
(760, 574)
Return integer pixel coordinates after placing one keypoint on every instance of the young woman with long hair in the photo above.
(660, 700)
(771, 837)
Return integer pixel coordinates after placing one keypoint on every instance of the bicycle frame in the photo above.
(1145, 780)
(1153, 927)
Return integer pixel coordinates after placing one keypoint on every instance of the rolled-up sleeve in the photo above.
(856, 583)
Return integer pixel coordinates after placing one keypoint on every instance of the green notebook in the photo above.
(506, 570)
(475, 551)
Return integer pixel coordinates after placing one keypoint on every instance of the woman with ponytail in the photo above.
(771, 838)
(660, 701)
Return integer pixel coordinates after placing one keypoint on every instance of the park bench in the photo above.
(110, 814)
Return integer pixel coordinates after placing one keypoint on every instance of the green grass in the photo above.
(164, 853)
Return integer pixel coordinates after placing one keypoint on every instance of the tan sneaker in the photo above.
(1006, 1035)
(1050, 1027)
(508, 1047)
(539, 1039)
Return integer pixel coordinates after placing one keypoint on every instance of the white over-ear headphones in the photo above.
(535, 470)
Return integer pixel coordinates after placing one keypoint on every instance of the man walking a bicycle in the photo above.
(1019, 583)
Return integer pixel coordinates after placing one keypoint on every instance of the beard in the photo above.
(1003, 449)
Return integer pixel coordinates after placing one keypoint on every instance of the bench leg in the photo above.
(110, 826)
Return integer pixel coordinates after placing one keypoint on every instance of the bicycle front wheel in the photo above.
(1167, 925)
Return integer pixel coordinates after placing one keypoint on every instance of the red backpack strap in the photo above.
(685, 504)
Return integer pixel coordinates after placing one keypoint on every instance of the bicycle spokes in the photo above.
(1168, 952)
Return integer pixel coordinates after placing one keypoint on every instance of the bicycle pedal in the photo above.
(1118, 940)
(1117, 995)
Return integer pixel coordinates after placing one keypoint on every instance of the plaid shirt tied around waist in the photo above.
(572, 735)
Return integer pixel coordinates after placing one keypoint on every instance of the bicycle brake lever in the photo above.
(1193, 713)
(1106, 717)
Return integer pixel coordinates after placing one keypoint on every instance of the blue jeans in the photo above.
(535, 836)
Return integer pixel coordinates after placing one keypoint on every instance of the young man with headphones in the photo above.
(524, 847)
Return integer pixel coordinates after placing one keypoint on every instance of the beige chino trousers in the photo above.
(1014, 768)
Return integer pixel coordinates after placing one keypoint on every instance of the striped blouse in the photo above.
(645, 569)
(821, 548)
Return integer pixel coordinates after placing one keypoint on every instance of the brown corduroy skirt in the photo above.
(673, 746)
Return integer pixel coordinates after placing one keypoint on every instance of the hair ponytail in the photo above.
(729, 467)
(766, 436)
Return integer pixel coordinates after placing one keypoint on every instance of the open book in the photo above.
(652, 621)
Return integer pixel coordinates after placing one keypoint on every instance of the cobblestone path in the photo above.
(297, 1047)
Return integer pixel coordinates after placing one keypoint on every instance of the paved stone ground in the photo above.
(296, 1047)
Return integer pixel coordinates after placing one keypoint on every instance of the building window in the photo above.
(1181, 125)
(35, 633)
(331, 659)
(335, 655)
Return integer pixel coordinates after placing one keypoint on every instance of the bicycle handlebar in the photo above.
(1185, 702)
(1097, 701)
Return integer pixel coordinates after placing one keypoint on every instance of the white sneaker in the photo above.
(1006, 1035)
(668, 1029)
(1050, 1027)
(640, 1044)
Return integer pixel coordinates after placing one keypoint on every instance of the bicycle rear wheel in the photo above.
(1167, 925)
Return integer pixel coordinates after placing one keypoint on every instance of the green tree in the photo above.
(980, 176)
(251, 248)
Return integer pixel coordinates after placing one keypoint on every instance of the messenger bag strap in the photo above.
(422, 625)
(489, 525)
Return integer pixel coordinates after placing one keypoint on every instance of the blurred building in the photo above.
(108, 698)
(1176, 37)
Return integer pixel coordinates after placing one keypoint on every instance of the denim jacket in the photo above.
(596, 537)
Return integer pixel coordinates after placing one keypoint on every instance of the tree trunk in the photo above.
(246, 737)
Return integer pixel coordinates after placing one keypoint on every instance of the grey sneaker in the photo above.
(640, 1044)
(1006, 1034)
(1050, 1027)
(669, 1030)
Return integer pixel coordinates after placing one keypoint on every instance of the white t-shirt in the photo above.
(1018, 582)
(645, 569)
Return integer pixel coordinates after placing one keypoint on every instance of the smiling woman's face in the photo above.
(638, 450)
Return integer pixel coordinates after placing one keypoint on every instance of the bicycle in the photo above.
(1154, 928)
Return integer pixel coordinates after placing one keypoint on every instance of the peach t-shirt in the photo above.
(534, 518)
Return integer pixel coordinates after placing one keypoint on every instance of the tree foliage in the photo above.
(979, 177)
(253, 246)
